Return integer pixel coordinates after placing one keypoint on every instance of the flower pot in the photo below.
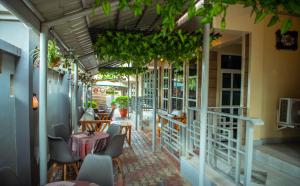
(123, 112)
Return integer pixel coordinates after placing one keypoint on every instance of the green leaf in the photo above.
(286, 25)
(260, 16)
(158, 9)
(273, 20)
(106, 7)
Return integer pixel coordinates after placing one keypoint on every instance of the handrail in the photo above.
(252, 121)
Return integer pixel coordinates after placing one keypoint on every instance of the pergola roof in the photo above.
(75, 22)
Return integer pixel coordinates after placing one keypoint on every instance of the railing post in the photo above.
(43, 107)
(248, 154)
(136, 99)
(204, 101)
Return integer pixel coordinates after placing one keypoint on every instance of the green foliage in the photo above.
(113, 102)
(119, 72)
(122, 101)
(139, 49)
(111, 91)
(54, 55)
(170, 10)
(94, 104)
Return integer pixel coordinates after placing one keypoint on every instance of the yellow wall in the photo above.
(272, 73)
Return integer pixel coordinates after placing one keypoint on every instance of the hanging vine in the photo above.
(170, 10)
(139, 49)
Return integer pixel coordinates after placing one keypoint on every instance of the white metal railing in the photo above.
(229, 141)
(172, 135)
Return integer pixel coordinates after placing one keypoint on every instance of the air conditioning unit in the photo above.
(289, 113)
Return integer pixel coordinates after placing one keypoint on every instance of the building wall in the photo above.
(272, 73)
(7, 118)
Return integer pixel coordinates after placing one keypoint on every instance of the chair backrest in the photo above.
(115, 145)
(59, 150)
(97, 169)
(8, 177)
(61, 131)
(113, 129)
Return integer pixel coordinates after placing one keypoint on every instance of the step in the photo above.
(279, 159)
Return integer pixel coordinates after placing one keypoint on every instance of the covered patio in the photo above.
(132, 93)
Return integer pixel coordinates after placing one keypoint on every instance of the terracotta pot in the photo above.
(123, 112)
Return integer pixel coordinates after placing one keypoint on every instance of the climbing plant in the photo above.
(140, 49)
(170, 10)
(119, 72)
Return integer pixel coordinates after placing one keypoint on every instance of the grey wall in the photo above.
(7, 112)
(17, 34)
(58, 99)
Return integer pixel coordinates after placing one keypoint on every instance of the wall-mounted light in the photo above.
(35, 102)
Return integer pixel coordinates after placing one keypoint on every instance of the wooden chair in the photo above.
(90, 121)
(60, 154)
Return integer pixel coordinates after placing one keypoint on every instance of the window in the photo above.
(165, 88)
(148, 88)
(192, 84)
(177, 88)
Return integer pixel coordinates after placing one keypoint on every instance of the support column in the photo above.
(86, 96)
(154, 100)
(91, 96)
(74, 107)
(43, 107)
(204, 101)
(136, 99)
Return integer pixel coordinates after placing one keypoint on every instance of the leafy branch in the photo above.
(170, 10)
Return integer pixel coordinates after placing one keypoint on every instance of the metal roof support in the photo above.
(19, 9)
(185, 16)
(204, 101)
(154, 100)
(141, 17)
(43, 107)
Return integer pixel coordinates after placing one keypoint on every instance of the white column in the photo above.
(43, 107)
(154, 106)
(204, 101)
(136, 99)
(75, 110)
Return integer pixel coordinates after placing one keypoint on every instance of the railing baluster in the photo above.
(248, 154)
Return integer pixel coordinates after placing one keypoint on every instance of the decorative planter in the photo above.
(123, 112)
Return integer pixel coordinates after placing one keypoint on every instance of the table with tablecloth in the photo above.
(83, 144)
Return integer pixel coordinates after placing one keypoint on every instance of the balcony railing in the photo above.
(229, 141)
(172, 135)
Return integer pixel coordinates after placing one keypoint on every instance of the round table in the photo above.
(71, 183)
(82, 143)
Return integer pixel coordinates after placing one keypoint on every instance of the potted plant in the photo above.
(123, 102)
(54, 55)
(113, 104)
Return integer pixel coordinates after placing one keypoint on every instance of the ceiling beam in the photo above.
(21, 11)
(141, 17)
(154, 22)
(185, 17)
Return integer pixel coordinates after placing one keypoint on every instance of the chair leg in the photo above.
(120, 166)
(65, 172)
(51, 171)
(75, 168)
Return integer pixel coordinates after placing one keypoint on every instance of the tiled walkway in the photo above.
(142, 167)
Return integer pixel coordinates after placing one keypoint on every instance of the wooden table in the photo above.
(82, 144)
(71, 183)
(126, 127)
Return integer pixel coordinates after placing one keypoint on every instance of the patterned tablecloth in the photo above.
(71, 183)
(82, 144)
